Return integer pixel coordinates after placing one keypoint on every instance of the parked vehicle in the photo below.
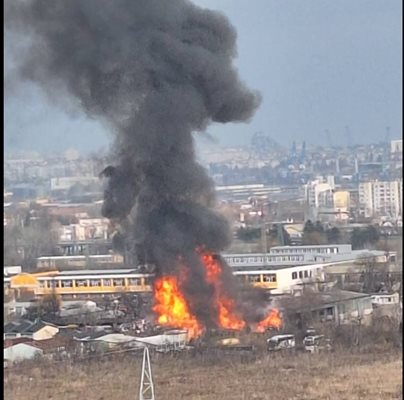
(310, 332)
(281, 342)
(317, 343)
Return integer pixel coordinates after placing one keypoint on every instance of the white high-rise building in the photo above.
(378, 198)
(319, 195)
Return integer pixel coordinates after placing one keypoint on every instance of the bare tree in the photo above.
(50, 304)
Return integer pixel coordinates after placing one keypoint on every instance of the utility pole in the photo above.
(146, 391)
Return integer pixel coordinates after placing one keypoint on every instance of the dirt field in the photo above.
(342, 376)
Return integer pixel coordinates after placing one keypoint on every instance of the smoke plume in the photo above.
(155, 71)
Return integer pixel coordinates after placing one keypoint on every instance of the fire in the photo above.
(272, 320)
(227, 318)
(213, 270)
(172, 308)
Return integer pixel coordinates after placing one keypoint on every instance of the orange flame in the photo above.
(172, 308)
(227, 318)
(272, 320)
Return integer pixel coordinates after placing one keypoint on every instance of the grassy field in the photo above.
(340, 375)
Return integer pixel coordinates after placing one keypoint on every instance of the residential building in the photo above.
(342, 204)
(66, 262)
(85, 229)
(37, 330)
(338, 306)
(66, 183)
(385, 298)
(381, 198)
(319, 194)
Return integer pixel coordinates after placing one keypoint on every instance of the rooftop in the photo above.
(312, 301)
(310, 246)
(23, 327)
(53, 343)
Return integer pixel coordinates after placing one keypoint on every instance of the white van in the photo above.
(281, 342)
(317, 343)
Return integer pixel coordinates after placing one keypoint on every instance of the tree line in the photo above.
(314, 233)
(359, 238)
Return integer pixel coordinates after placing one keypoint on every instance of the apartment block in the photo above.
(381, 198)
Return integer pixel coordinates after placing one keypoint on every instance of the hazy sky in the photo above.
(319, 64)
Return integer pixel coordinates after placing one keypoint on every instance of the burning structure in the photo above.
(155, 72)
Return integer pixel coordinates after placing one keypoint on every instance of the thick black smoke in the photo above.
(155, 71)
